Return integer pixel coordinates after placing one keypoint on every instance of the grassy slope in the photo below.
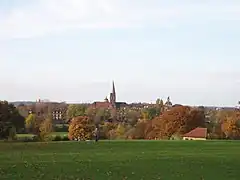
(118, 159)
(53, 134)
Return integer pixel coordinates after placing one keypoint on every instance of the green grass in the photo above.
(61, 125)
(62, 134)
(25, 135)
(22, 136)
(135, 160)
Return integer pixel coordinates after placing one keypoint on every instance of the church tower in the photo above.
(113, 96)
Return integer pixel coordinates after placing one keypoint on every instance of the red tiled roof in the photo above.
(101, 105)
(197, 133)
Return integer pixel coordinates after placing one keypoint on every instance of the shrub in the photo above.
(29, 139)
(57, 138)
(176, 137)
(61, 128)
(12, 134)
(65, 138)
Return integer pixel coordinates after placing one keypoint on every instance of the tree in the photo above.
(91, 113)
(23, 110)
(178, 120)
(46, 127)
(80, 128)
(75, 110)
(213, 124)
(150, 113)
(153, 112)
(102, 115)
(9, 118)
(140, 130)
(32, 124)
(120, 131)
(230, 126)
(29, 121)
(132, 116)
(113, 115)
(105, 130)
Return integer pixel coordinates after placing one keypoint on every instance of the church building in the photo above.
(112, 104)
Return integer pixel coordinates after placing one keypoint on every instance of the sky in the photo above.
(72, 50)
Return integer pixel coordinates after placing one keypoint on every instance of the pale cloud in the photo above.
(51, 16)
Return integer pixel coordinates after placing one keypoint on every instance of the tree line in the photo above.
(157, 121)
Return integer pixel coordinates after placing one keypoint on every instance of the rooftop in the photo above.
(197, 133)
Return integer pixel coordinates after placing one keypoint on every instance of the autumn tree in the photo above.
(80, 128)
(45, 130)
(113, 115)
(152, 112)
(75, 110)
(106, 128)
(132, 116)
(140, 130)
(177, 120)
(91, 113)
(120, 131)
(231, 125)
(102, 115)
(30, 122)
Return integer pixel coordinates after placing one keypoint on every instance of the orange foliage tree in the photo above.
(138, 131)
(177, 120)
(80, 128)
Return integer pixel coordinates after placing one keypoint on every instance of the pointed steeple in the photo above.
(113, 95)
(113, 89)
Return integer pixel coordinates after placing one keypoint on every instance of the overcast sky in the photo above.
(71, 50)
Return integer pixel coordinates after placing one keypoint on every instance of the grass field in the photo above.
(54, 134)
(135, 160)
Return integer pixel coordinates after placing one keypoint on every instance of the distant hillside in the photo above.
(17, 103)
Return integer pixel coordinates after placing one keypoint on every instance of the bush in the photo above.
(29, 139)
(61, 128)
(176, 137)
(57, 138)
(12, 134)
(65, 138)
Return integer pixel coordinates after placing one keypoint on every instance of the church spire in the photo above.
(113, 95)
(113, 90)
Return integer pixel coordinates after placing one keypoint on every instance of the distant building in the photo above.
(196, 134)
(57, 114)
(168, 104)
(112, 104)
(57, 111)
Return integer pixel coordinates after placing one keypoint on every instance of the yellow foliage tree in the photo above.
(120, 131)
(80, 128)
(32, 124)
(29, 121)
(46, 127)
(230, 126)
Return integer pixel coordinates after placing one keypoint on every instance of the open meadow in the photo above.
(114, 160)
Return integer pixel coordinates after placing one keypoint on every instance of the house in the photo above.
(196, 134)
